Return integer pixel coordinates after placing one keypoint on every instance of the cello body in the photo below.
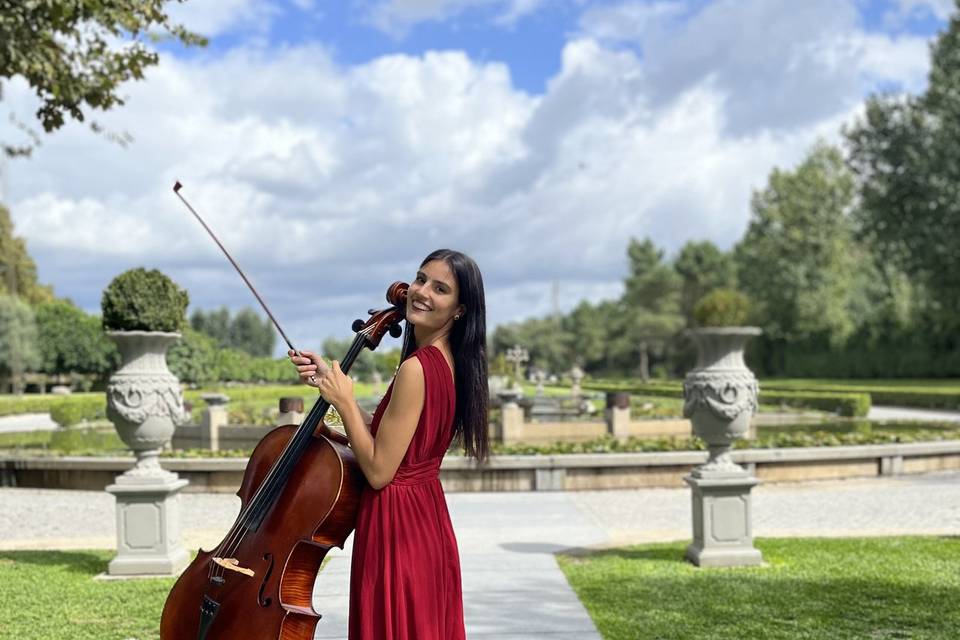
(314, 511)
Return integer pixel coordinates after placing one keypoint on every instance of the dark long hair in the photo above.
(468, 341)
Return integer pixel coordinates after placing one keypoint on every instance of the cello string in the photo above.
(243, 514)
(232, 541)
(265, 492)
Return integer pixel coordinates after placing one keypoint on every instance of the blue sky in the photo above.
(334, 144)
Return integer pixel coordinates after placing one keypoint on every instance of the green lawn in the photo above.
(51, 595)
(814, 589)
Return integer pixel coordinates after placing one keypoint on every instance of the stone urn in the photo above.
(144, 399)
(720, 393)
(720, 397)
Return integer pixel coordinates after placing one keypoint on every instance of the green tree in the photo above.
(245, 331)
(72, 341)
(702, 267)
(75, 54)
(250, 333)
(907, 163)
(652, 304)
(18, 272)
(193, 358)
(19, 352)
(797, 258)
(215, 324)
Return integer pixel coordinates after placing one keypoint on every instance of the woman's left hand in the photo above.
(335, 386)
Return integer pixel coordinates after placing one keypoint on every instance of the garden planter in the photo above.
(720, 397)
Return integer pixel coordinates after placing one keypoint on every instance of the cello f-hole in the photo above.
(262, 601)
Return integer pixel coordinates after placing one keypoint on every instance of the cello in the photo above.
(299, 498)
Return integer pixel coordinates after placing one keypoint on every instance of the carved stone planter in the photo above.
(720, 398)
(144, 400)
(145, 404)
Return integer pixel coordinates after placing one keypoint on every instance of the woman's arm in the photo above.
(380, 457)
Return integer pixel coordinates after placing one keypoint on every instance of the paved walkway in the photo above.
(27, 422)
(909, 413)
(512, 586)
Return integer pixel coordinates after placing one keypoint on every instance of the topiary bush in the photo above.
(722, 308)
(141, 300)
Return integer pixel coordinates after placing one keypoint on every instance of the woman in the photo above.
(405, 571)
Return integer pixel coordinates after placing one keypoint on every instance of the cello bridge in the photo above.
(233, 565)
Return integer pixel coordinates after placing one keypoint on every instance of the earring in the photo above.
(456, 317)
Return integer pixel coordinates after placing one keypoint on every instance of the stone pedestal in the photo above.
(618, 422)
(722, 530)
(215, 417)
(617, 414)
(511, 422)
(291, 411)
(148, 525)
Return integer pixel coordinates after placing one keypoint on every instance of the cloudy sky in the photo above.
(333, 144)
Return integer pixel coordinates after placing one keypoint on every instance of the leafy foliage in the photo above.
(702, 267)
(19, 351)
(245, 331)
(796, 256)
(18, 272)
(143, 300)
(72, 341)
(722, 308)
(75, 54)
(905, 159)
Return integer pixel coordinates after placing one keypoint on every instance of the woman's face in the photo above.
(433, 296)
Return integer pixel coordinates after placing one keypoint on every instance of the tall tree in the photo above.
(18, 272)
(18, 341)
(71, 340)
(904, 152)
(652, 303)
(246, 331)
(215, 324)
(702, 267)
(75, 54)
(251, 333)
(796, 258)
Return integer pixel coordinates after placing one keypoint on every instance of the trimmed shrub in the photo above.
(71, 411)
(722, 308)
(141, 300)
(843, 404)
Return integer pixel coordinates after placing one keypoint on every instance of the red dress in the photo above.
(405, 569)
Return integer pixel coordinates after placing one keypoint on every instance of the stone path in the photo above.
(909, 413)
(513, 588)
(27, 422)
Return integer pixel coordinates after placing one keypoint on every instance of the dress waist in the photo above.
(418, 473)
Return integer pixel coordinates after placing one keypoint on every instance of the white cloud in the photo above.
(397, 17)
(779, 63)
(215, 17)
(327, 182)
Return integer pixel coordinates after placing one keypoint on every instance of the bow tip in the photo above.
(177, 186)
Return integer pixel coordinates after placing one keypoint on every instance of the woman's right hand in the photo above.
(309, 365)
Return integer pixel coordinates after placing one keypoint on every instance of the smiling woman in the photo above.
(405, 576)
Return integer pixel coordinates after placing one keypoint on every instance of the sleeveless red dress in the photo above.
(405, 569)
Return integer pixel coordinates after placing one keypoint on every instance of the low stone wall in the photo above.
(568, 472)
(537, 432)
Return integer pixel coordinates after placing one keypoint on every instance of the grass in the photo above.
(49, 595)
(814, 589)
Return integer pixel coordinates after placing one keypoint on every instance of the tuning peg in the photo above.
(357, 325)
